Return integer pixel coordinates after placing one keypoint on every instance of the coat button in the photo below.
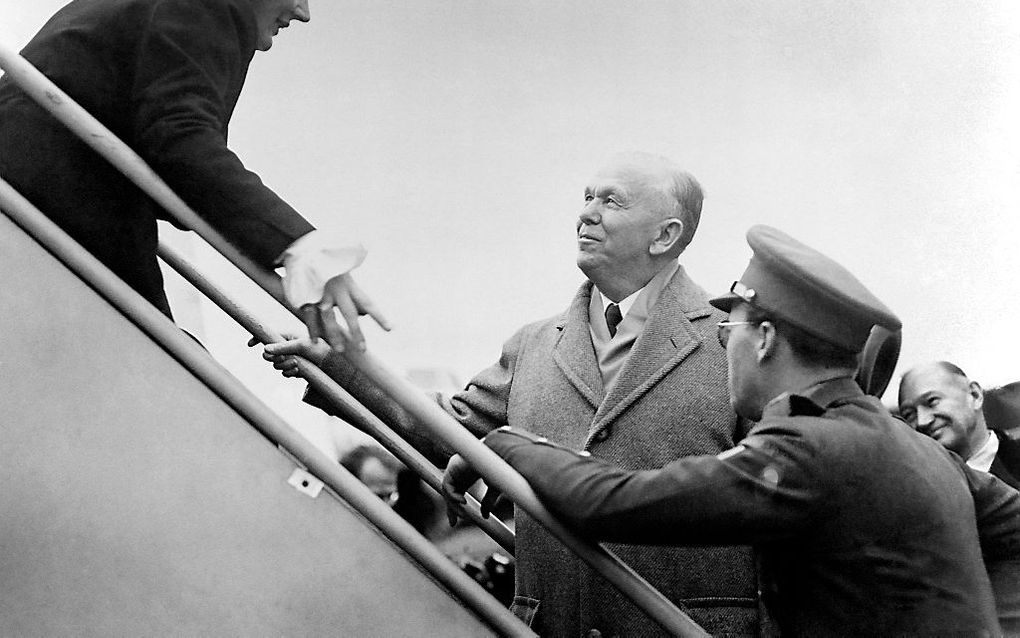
(594, 633)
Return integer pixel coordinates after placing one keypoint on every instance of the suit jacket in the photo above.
(670, 400)
(164, 76)
(864, 527)
(1006, 464)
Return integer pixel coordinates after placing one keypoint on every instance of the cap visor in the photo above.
(725, 302)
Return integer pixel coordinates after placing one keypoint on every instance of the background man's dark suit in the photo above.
(163, 75)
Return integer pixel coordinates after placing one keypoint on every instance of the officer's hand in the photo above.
(341, 292)
(281, 354)
(491, 499)
(459, 476)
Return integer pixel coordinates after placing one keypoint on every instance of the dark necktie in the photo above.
(613, 318)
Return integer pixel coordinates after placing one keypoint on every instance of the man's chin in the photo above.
(586, 263)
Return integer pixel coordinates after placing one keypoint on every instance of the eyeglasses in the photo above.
(724, 329)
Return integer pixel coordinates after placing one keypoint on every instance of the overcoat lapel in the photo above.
(574, 354)
(667, 339)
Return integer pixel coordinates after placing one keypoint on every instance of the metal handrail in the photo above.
(219, 380)
(491, 466)
(357, 414)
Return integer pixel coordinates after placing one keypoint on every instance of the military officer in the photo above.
(864, 527)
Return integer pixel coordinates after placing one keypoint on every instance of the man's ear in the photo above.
(977, 395)
(768, 341)
(669, 234)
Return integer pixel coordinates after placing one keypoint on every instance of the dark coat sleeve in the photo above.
(481, 407)
(761, 490)
(997, 511)
(190, 65)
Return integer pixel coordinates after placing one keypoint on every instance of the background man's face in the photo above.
(941, 405)
(273, 15)
(623, 206)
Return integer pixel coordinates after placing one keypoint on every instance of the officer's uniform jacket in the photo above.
(670, 400)
(864, 527)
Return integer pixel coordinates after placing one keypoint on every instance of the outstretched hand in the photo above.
(341, 293)
(458, 477)
(457, 480)
(282, 354)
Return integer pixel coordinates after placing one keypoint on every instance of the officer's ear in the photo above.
(668, 237)
(768, 341)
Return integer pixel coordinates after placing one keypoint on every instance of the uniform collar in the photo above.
(813, 400)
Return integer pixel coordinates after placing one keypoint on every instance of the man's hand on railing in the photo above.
(282, 354)
(341, 292)
(457, 480)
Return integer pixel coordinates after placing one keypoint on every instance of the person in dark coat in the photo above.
(939, 400)
(164, 76)
(864, 527)
(614, 389)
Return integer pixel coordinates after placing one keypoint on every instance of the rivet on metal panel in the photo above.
(305, 482)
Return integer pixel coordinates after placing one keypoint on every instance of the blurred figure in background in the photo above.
(376, 468)
(466, 545)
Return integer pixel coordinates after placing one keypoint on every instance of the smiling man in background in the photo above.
(940, 401)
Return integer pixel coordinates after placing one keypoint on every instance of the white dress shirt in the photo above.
(313, 260)
(612, 351)
(983, 458)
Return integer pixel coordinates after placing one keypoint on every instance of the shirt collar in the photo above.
(653, 287)
(813, 400)
(983, 458)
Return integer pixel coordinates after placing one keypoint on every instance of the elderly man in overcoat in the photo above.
(634, 354)
(864, 527)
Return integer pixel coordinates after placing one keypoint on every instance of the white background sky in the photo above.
(454, 139)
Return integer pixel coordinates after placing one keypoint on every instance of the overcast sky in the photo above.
(454, 139)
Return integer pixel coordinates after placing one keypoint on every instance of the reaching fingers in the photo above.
(491, 499)
(295, 346)
(366, 306)
(349, 311)
(310, 316)
(333, 332)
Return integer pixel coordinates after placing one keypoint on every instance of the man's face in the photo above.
(944, 406)
(273, 15)
(741, 361)
(623, 205)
